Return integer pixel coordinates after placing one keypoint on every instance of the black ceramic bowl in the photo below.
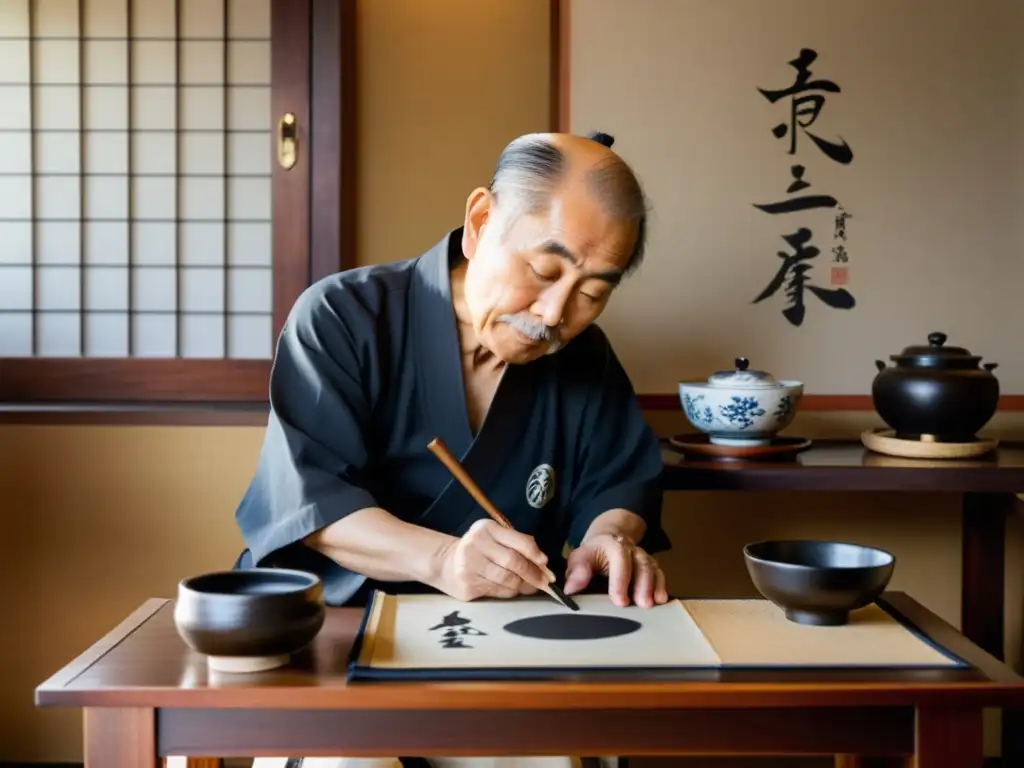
(818, 582)
(250, 619)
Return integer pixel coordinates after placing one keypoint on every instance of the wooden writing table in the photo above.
(988, 486)
(147, 695)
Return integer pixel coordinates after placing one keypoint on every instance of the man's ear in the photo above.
(478, 213)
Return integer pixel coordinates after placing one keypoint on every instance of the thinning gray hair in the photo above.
(530, 168)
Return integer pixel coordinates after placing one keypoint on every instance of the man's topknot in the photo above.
(601, 138)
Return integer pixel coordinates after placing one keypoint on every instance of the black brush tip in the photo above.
(569, 602)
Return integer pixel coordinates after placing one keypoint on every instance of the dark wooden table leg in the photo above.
(983, 569)
(120, 738)
(948, 738)
(981, 606)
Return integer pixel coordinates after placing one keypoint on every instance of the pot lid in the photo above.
(743, 378)
(934, 349)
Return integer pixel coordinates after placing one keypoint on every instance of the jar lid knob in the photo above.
(937, 338)
(742, 363)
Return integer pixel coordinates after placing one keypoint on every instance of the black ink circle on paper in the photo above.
(572, 626)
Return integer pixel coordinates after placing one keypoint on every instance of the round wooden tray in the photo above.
(883, 440)
(698, 445)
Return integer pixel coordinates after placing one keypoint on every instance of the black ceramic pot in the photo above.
(935, 392)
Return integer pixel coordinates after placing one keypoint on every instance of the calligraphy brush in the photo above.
(439, 449)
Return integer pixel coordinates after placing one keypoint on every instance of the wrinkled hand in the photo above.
(623, 563)
(492, 561)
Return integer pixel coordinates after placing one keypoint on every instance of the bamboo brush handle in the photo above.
(439, 449)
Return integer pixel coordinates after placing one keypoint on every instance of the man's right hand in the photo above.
(492, 561)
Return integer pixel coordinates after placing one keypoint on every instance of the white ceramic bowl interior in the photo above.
(740, 416)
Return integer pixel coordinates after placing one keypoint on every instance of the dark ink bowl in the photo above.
(818, 582)
(249, 620)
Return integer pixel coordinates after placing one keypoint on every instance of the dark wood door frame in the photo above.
(333, 142)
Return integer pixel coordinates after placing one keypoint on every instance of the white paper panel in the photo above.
(15, 334)
(154, 153)
(14, 18)
(55, 107)
(249, 243)
(57, 197)
(201, 153)
(56, 152)
(154, 335)
(15, 152)
(57, 288)
(55, 62)
(14, 61)
(249, 290)
(202, 108)
(106, 108)
(106, 197)
(15, 288)
(201, 198)
(107, 18)
(250, 153)
(153, 242)
(249, 198)
(58, 335)
(15, 197)
(202, 18)
(153, 62)
(57, 242)
(106, 62)
(202, 336)
(202, 242)
(106, 288)
(202, 290)
(106, 334)
(55, 18)
(249, 109)
(248, 63)
(153, 197)
(153, 108)
(106, 152)
(154, 289)
(201, 62)
(249, 18)
(15, 243)
(106, 242)
(153, 18)
(250, 336)
(17, 111)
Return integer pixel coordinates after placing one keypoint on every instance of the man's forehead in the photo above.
(583, 228)
(583, 248)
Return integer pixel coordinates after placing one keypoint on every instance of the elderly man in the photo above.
(486, 341)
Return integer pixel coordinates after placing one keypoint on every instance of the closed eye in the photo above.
(547, 278)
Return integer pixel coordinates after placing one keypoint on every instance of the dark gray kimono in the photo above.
(367, 372)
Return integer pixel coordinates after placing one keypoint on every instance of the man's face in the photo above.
(534, 282)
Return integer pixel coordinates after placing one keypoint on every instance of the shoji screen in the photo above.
(135, 191)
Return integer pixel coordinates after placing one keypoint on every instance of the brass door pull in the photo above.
(287, 141)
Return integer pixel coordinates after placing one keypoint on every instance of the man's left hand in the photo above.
(624, 563)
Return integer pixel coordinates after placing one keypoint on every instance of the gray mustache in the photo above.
(529, 327)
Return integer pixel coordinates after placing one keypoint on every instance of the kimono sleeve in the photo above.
(315, 447)
(619, 458)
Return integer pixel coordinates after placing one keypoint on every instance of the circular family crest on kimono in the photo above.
(541, 486)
